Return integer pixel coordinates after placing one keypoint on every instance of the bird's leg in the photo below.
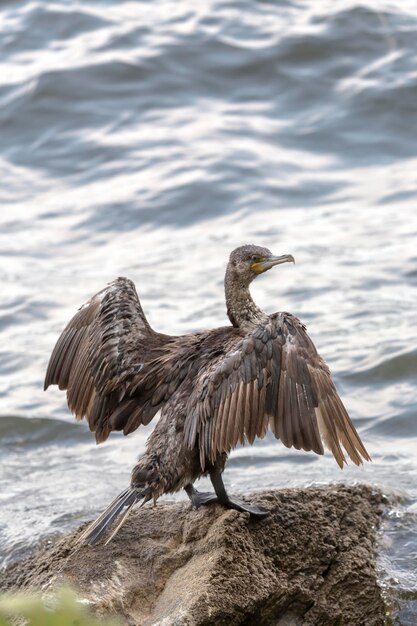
(230, 501)
(197, 498)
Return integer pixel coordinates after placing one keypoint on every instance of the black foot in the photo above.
(198, 499)
(230, 501)
(239, 505)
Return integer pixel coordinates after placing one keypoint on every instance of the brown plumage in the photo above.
(215, 388)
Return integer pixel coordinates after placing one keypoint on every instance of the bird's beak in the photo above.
(262, 266)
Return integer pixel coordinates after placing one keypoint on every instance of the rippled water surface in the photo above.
(149, 139)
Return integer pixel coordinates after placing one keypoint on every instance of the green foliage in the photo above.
(32, 610)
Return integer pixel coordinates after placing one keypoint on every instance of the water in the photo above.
(148, 140)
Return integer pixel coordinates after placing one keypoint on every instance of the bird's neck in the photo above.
(241, 309)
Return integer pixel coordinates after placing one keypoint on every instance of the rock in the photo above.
(309, 563)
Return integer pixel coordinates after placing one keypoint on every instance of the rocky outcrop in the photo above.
(309, 563)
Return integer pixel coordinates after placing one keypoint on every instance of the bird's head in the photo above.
(247, 262)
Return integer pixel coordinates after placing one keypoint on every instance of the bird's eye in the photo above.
(255, 257)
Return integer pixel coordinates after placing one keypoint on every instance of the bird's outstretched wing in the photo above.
(106, 359)
(273, 378)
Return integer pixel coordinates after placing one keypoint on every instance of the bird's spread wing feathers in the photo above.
(110, 361)
(273, 378)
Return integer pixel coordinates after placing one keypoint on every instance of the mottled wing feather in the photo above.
(273, 378)
(105, 359)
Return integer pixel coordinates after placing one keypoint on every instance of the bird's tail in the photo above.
(124, 500)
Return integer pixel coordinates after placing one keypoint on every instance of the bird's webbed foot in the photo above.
(230, 501)
(199, 498)
(234, 503)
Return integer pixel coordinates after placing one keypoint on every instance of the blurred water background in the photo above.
(148, 139)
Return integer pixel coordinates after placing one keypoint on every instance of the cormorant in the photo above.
(215, 388)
